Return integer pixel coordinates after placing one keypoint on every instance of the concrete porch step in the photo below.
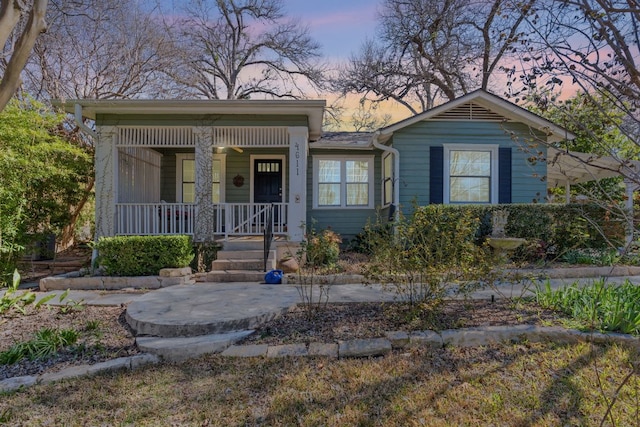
(244, 254)
(243, 245)
(228, 276)
(242, 264)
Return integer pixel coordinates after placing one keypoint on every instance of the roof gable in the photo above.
(481, 105)
(470, 111)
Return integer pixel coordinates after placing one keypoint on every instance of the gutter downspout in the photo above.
(396, 171)
(93, 134)
(78, 117)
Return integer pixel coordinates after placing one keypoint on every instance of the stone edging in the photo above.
(396, 340)
(73, 281)
(131, 362)
(537, 273)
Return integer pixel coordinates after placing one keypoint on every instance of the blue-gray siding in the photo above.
(414, 144)
(346, 222)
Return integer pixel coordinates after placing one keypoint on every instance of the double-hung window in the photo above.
(343, 181)
(186, 178)
(470, 173)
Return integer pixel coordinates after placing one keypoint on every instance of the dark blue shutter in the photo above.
(504, 175)
(436, 175)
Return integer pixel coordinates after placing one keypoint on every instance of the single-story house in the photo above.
(224, 168)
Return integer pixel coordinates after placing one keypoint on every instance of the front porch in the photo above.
(211, 183)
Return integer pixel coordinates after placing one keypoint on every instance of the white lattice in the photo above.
(147, 136)
(259, 136)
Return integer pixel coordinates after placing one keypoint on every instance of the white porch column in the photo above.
(204, 213)
(106, 164)
(298, 152)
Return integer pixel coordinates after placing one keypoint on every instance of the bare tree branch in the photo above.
(429, 51)
(236, 49)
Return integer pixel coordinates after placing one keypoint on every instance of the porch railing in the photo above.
(229, 219)
(154, 218)
(250, 219)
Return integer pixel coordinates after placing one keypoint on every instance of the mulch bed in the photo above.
(344, 321)
(112, 338)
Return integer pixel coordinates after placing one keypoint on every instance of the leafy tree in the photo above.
(236, 49)
(16, 41)
(43, 176)
(596, 122)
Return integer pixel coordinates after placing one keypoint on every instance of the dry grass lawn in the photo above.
(523, 384)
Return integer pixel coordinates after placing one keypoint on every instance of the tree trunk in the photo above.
(35, 25)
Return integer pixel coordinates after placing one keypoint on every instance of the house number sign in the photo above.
(297, 154)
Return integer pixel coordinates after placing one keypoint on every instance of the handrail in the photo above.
(268, 236)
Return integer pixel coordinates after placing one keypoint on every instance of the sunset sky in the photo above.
(341, 26)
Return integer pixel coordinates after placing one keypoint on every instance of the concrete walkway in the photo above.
(205, 308)
(187, 320)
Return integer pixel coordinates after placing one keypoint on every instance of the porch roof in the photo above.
(313, 109)
(572, 167)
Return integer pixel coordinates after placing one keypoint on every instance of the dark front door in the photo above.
(267, 186)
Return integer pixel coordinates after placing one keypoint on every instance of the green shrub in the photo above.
(143, 255)
(601, 257)
(426, 253)
(321, 248)
(362, 242)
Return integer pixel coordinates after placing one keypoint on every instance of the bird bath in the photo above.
(498, 240)
(505, 243)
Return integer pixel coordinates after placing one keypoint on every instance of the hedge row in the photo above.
(143, 255)
(562, 227)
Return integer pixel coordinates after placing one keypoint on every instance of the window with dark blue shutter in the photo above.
(436, 175)
(504, 175)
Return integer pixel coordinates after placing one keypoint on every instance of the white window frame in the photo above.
(387, 175)
(343, 184)
(191, 156)
(494, 185)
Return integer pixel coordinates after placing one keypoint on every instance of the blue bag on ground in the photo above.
(274, 277)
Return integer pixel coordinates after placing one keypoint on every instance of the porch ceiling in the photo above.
(573, 167)
(313, 109)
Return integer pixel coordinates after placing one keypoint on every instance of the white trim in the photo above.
(312, 109)
(179, 158)
(343, 184)
(192, 156)
(383, 200)
(283, 158)
(492, 148)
